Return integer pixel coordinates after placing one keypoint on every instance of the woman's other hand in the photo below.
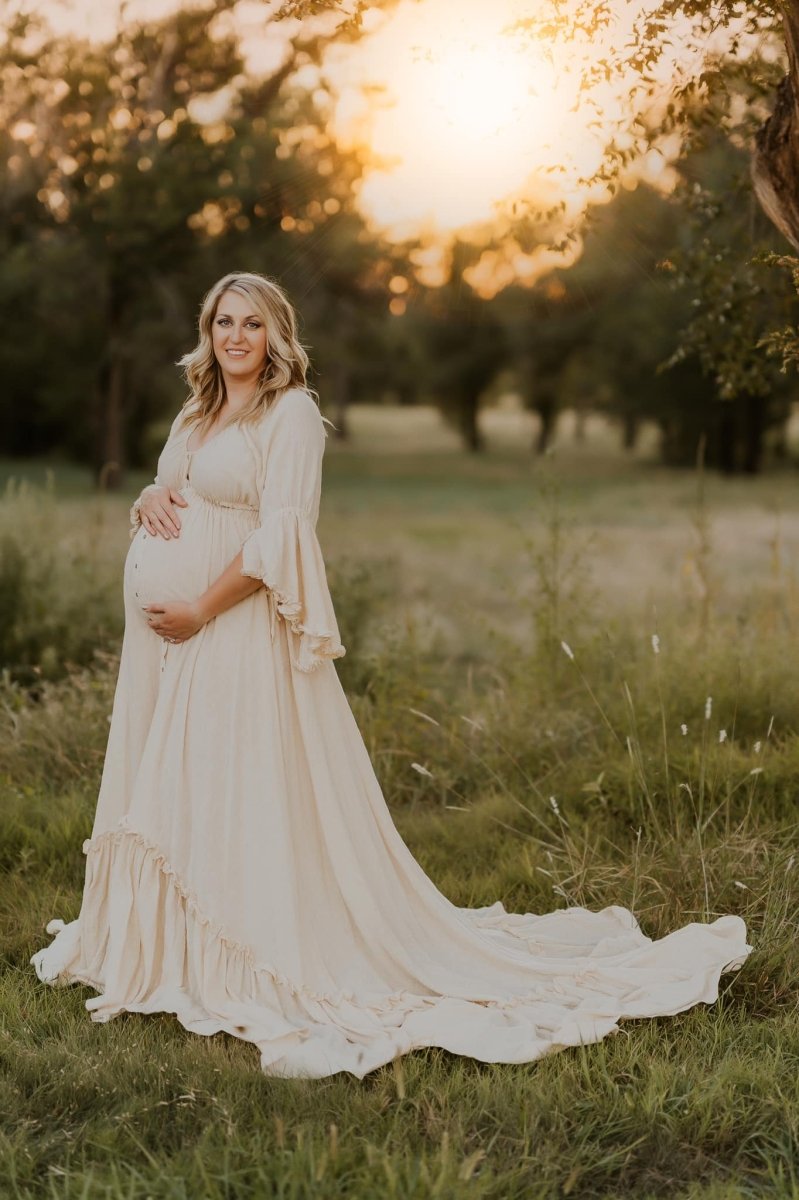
(157, 510)
(176, 621)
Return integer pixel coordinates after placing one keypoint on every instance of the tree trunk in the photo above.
(470, 427)
(547, 413)
(775, 158)
(630, 429)
(111, 386)
(111, 473)
(754, 428)
(726, 445)
(779, 446)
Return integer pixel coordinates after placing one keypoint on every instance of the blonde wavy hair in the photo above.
(286, 360)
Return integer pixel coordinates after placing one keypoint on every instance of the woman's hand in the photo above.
(157, 511)
(176, 621)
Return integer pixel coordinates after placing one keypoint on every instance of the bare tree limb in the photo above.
(775, 158)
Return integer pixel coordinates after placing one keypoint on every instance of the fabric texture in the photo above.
(243, 871)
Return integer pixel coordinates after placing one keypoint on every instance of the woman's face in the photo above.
(239, 337)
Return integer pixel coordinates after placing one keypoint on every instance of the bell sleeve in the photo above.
(283, 550)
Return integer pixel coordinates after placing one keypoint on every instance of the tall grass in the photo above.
(60, 597)
(643, 755)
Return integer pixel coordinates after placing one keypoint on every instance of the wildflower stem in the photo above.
(663, 725)
(602, 712)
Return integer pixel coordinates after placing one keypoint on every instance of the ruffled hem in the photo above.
(215, 929)
(143, 941)
(284, 553)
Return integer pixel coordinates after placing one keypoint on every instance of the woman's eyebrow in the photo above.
(249, 317)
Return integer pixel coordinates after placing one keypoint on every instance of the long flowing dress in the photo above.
(244, 872)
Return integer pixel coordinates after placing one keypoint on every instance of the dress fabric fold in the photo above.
(243, 870)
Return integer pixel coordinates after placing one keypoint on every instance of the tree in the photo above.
(733, 299)
(119, 201)
(465, 347)
(683, 300)
(548, 326)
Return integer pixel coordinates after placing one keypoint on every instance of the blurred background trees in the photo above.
(134, 173)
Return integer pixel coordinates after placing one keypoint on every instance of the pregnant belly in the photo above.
(183, 567)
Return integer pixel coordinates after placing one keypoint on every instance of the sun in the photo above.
(453, 112)
(477, 91)
(460, 120)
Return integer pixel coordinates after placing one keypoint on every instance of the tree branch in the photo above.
(775, 159)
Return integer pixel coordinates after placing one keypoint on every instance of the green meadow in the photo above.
(578, 681)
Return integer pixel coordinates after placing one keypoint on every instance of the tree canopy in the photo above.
(134, 173)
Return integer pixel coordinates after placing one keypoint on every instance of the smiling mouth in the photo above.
(238, 353)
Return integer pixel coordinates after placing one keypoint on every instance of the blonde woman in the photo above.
(243, 871)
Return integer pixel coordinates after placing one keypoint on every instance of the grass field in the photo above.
(674, 765)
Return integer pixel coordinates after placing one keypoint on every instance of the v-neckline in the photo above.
(208, 441)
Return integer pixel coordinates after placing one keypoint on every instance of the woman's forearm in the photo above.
(227, 590)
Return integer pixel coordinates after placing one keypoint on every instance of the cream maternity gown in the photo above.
(244, 872)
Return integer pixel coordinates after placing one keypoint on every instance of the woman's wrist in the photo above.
(201, 612)
(230, 588)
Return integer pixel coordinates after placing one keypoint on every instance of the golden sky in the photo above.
(460, 116)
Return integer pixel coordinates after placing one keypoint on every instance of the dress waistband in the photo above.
(221, 503)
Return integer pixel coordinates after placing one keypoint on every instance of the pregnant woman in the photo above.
(243, 871)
